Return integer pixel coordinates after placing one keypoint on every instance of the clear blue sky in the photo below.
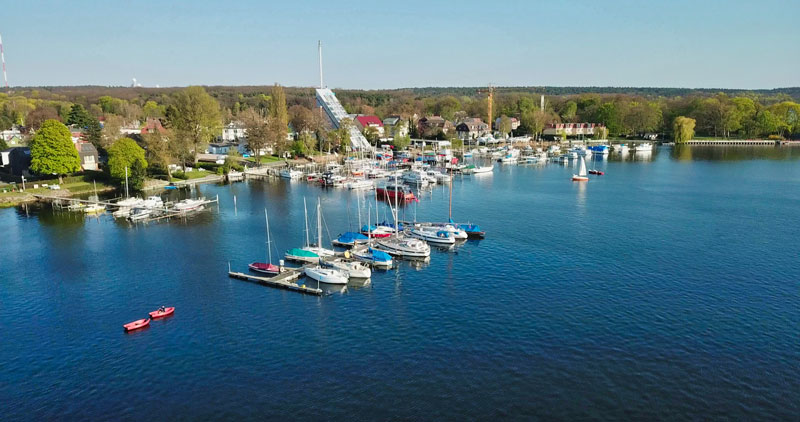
(677, 43)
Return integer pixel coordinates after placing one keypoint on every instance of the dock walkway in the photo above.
(284, 280)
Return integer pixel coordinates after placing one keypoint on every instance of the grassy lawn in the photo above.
(196, 174)
(264, 159)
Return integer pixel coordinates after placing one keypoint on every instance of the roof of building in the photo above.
(369, 121)
(391, 120)
(152, 125)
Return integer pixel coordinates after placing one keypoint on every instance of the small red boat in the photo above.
(262, 267)
(139, 323)
(597, 172)
(161, 314)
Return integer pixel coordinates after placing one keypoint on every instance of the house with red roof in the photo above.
(363, 122)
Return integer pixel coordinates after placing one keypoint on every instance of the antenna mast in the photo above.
(321, 81)
(3, 59)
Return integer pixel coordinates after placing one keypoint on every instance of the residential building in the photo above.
(234, 131)
(221, 148)
(88, 155)
(363, 122)
(395, 126)
(429, 126)
(12, 137)
(570, 129)
(152, 126)
(471, 128)
(16, 161)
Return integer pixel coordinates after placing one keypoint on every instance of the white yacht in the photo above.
(352, 269)
(404, 247)
(326, 275)
(433, 235)
(291, 174)
(643, 147)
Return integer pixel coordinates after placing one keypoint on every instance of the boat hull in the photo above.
(161, 314)
(136, 325)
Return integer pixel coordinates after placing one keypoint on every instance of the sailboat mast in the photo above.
(319, 223)
(305, 213)
(450, 212)
(269, 249)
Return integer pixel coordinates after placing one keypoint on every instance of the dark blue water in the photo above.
(665, 290)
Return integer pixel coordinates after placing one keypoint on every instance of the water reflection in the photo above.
(734, 153)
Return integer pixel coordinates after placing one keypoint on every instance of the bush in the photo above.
(775, 137)
(179, 175)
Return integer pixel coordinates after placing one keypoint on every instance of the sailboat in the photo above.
(266, 267)
(97, 207)
(374, 257)
(318, 272)
(402, 246)
(581, 176)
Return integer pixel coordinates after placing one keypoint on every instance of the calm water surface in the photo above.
(668, 289)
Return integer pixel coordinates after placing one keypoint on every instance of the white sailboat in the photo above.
(319, 273)
(582, 175)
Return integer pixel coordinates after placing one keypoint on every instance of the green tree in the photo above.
(5, 123)
(52, 150)
(299, 148)
(78, 116)
(258, 131)
(3, 144)
(569, 111)
(197, 118)
(278, 118)
(122, 154)
(505, 125)
(683, 129)
(138, 173)
(766, 123)
(372, 135)
(94, 133)
(160, 152)
(152, 110)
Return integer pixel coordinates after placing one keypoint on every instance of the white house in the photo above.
(12, 136)
(234, 131)
(395, 126)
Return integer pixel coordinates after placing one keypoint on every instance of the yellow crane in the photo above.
(490, 95)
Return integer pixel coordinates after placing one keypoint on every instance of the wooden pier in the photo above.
(728, 142)
(284, 280)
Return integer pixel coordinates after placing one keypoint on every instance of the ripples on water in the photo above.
(666, 289)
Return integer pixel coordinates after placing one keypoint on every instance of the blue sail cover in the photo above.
(380, 256)
(352, 237)
(470, 227)
(388, 224)
(365, 228)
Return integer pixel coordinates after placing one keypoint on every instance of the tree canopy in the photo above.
(126, 153)
(196, 118)
(52, 150)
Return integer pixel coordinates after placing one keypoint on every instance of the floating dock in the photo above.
(284, 280)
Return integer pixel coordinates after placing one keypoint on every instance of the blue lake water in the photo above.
(668, 289)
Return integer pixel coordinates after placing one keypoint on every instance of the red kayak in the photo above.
(262, 267)
(162, 314)
(135, 325)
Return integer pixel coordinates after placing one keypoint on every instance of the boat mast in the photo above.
(126, 182)
(358, 204)
(319, 223)
(269, 249)
(450, 212)
(305, 213)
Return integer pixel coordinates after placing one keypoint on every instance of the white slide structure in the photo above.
(335, 112)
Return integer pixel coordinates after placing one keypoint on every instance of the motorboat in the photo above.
(326, 275)
(135, 325)
(643, 147)
(600, 149)
(395, 191)
(404, 247)
(581, 176)
(125, 206)
(288, 173)
(350, 239)
(374, 257)
(94, 208)
(621, 149)
(597, 172)
(359, 184)
(482, 169)
(189, 205)
(416, 177)
(433, 235)
(332, 179)
(161, 313)
(353, 269)
(439, 177)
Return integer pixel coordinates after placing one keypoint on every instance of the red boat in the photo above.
(161, 314)
(597, 172)
(139, 323)
(264, 268)
(395, 192)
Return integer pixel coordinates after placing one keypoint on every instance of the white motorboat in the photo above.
(353, 269)
(291, 174)
(404, 247)
(482, 169)
(621, 149)
(416, 177)
(326, 275)
(458, 233)
(189, 205)
(643, 147)
(433, 235)
(138, 214)
(439, 177)
(359, 184)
